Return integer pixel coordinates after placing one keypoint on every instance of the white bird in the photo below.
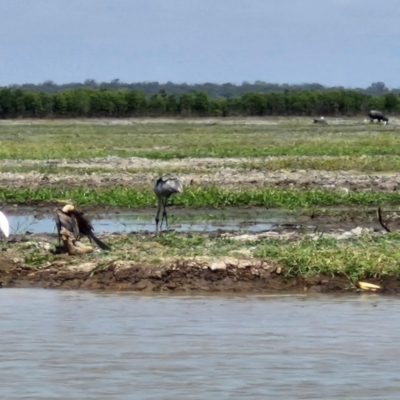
(163, 189)
(4, 225)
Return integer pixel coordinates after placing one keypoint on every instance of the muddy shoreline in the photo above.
(244, 273)
(199, 275)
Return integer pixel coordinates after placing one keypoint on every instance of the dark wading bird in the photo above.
(374, 114)
(74, 221)
(164, 188)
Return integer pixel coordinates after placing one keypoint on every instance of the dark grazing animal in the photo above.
(320, 121)
(374, 114)
(74, 221)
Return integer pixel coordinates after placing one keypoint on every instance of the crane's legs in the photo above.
(160, 205)
(164, 215)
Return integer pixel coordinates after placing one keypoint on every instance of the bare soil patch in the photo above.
(206, 171)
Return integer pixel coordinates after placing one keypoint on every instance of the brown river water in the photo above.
(85, 345)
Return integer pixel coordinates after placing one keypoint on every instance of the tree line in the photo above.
(214, 90)
(104, 102)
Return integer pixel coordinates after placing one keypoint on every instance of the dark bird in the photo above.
(163, 189)
(75, 222)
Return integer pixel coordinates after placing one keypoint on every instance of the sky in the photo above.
(350, 43)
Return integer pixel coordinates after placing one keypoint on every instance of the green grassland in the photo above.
(70, 140)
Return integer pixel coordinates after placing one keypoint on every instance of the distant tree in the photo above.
(32, 104)
(201, 103)
(377, 88)
(7, 107)
(275, 103)
(218, 107)
(376, 103)
(186, 102)
(136, 102)
(254, 104)
(91, 83)
(171, 106)
(61, 102)
(391, 102)
(80, 102)
(157, 104)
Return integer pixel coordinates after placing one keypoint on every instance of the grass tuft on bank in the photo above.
(366, 257)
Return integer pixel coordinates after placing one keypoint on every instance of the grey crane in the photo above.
(163, 189)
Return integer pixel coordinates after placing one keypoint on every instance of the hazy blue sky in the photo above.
(332, 42)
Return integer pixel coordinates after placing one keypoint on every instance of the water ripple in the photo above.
(69, 345)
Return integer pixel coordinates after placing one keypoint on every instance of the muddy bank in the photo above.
(222, 176)
(201, 274)
(273, 261)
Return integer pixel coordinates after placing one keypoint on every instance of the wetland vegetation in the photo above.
(201, 197)
(230, 163)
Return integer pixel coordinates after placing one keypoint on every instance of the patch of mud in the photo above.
(224, 175)
(200, 274)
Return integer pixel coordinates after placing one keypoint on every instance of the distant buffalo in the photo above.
(373, 114)
(320, 121)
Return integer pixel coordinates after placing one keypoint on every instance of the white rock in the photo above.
(218, 265)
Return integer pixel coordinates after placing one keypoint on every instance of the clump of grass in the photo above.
(147, 249)
(361, 258)
(212, 196)
(369, 256)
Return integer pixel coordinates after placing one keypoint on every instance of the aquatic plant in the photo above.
(211, 196)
